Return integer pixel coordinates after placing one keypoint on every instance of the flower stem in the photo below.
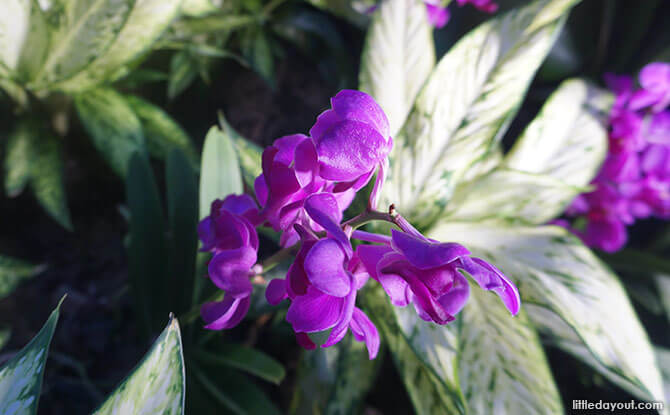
(371, 237)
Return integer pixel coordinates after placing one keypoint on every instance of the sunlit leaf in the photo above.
(397, 57)
(570, 296)
(220, 170)
(466, 106)
(24, 38)
(248, 153)
(157, 385)
(21, 377)
(113, 126)
(197, 8)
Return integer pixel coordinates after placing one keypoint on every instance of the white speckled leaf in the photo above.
(24, 38)
(568, 138)
(147, 20)
(157, 385)
(466, 106)
(397, 57)
(663, 358)
(502, 367)
(21, 377)
(511, 194)
(574, 298)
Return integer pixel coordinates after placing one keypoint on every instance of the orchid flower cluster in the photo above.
(634, 181)
(438, 15)
(307, 182)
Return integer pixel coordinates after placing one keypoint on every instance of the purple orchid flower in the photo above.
(229, 233)
(487, 6)
(438, 16)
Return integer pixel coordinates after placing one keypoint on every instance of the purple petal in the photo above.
(393, 285)
(363, 330)
(324, 122)
(423, 254)
(275, 292)
(342, 325)
(229, 270)
(437, 16)
(306, 162)
(324, 266)
(239, 204)
(286, 147)
(206, 234)
(642, 99)
(659, 129)
(324, 210)
(350, 149)
(606, 234)
(225, 314)
(656, 77)
(261, 190)
(375, 194)
(314, 311)
(359, 106)
(454, 300)
(304, 341)
(491, 278)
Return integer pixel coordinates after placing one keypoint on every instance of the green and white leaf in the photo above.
(85, 30)
(113, 126)
(466, 106)
(24, 38)
(220, 171)
(21, 377)
(19, 156)
(663, 357)
(511, 195)
(249, 154)
(398, 57)
(197, 8)
(663, 284)
(13, 271)
(355, 11)
(161, 132)
(145, 23)
(426, 355)
(183, 71)
(570, 296)
(568, 139)
(157, 385)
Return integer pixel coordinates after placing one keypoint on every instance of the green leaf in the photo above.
(13, 271)
(663, 358)
(663, 284)
(397, 57)
(197, 8)
(249, 154)
(511, 194)
(183, 71)
(568, 139)
(150, 281)
(24, 38)
(85, 30)
(145, 23)
(157, 385)
(256, 48)
(182, 202)
(161, 132)
(220, 170)
(33, 156)
(424, 354)
(5, 334)
(355, 11)
(246, 359)
(21, 377)
(466, 106)
(334, 380)
(502, 367)
(570, 296)
(113, 126)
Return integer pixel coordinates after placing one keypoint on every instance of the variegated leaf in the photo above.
(145, 23)
(85, 30)
(502, 367)
(24, 38)
(249, 154)
(568, 139)
(511, 194)
(21, 377)
(570, 296)
(397, 57)
(467, 105)
(197, 8)
(157, 385)
(663, 284)
(220, 170)
(425, 354)
(663, 358)
(113, 126)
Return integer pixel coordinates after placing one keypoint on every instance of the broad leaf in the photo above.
(663, 357)
(220, 170)
(85, 29)
(183, 71)
(466, 106)
(197, 8)
(24, 38)
(355, 11)
(113, 126)
(13, 271)
(246, 359)
(425, 355)
(334, 380)
(19, 156)
(21, 377)
(249, 154)
(663, 284)
(397, 57)
(511, 194)
(161, 132)
(570, 296)
(157, 385)
(145, 23)
(568, 139)
(502, 367)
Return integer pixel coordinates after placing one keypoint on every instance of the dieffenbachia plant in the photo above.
(54, 53)
(156, 385)
(448, 173)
